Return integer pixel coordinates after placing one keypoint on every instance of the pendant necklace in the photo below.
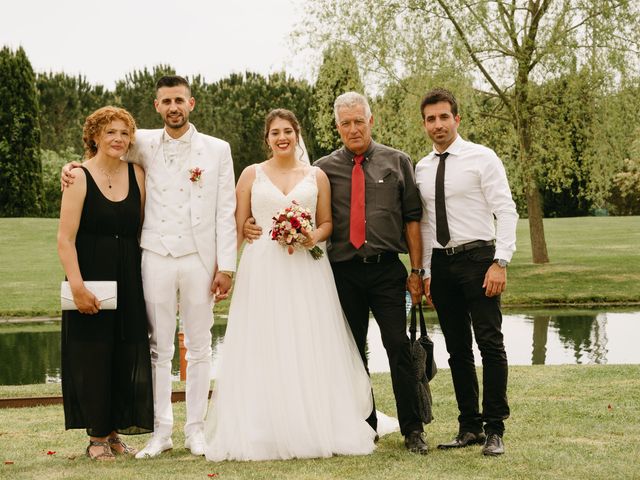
(109, 175)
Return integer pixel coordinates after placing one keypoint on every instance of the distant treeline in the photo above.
(587, 135)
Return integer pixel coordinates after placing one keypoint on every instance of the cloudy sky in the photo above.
(104, 40)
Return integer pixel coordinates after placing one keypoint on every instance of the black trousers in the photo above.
(461, 305)
(381, 288)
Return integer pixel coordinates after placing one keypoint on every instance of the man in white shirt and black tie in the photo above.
(469, 236)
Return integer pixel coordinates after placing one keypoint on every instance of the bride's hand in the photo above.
(310, 239)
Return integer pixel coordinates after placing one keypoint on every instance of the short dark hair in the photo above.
(172, 81)
(437, 95)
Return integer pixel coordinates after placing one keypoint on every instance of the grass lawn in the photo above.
(593, 260)
(567, 422)
(30, 271)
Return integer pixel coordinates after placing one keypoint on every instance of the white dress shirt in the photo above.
(476, 189)
(176, 150)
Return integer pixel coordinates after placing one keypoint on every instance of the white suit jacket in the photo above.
(213, 199)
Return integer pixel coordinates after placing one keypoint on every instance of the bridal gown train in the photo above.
(291, 383)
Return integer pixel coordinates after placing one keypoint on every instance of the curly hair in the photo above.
(95, 124)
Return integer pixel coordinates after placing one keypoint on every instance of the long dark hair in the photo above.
(287, 115)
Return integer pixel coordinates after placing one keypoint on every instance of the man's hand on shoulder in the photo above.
(66, 176)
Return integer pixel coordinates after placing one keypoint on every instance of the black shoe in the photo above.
(376, 439)
(493, 446)
(464, 439)
(415, 443)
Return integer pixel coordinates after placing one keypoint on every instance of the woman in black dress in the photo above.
(106, 366)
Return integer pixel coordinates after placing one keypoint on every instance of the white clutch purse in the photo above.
(105, 291)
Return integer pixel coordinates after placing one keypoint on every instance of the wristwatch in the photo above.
(418, 271)
(501, 263)
(227, 273)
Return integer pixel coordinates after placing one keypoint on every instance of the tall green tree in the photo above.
(398, 120)
(65, 102)
(239, 104)
(509, 44)
(338, 74)
(20, 170)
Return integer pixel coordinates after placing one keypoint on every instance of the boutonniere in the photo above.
(196, 175)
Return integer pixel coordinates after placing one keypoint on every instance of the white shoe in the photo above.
(195, 443)
(155, 447)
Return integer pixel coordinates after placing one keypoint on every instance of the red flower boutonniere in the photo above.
(196, 175)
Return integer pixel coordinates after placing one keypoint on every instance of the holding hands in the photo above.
(221, 286)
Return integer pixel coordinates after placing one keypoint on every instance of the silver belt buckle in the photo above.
(450, 251)
(375, 260)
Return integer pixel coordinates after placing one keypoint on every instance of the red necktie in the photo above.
(357, 203)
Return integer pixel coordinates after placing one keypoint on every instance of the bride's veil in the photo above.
(302, 151)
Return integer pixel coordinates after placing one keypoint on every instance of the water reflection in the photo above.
(29, 357)
(538, 338)
(559, 337)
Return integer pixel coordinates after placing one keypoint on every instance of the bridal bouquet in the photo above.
(290, 226)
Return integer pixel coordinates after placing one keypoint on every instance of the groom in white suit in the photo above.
(189, 252)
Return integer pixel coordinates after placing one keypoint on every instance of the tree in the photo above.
(52, 163)
(137, 92)
(338, 74)
(64, 103)
(510, 45)
(240, 103)
(398, 120)
(20, 171)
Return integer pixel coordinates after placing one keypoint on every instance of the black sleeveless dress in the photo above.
(106, 363)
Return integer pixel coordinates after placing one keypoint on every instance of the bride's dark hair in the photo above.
(284, 114)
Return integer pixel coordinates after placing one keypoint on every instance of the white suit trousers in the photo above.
(172, 284)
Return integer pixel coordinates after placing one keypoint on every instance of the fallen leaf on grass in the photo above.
(8, 462)
(51, 452)
(211, 475)
(609, 407)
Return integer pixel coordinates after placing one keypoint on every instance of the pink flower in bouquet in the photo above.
(290, 226)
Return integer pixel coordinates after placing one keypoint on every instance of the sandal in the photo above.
(125, 449)
(106, 451)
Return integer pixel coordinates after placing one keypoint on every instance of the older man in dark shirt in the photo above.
(368, 273)
(376, 210)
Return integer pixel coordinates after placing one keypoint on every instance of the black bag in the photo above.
(425, 341)
(424, 365)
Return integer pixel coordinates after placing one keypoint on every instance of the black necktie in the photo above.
(442, 227)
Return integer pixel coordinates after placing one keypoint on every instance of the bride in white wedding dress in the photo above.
(291, 383)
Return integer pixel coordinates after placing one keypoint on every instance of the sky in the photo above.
(105, 40)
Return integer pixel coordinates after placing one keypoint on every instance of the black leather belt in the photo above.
(464, 247)
(383, 257)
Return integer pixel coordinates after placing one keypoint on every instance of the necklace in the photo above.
(109, 174)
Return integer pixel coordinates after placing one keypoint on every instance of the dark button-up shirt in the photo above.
(391, 200)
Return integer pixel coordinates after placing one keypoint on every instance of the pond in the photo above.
(30, 353)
